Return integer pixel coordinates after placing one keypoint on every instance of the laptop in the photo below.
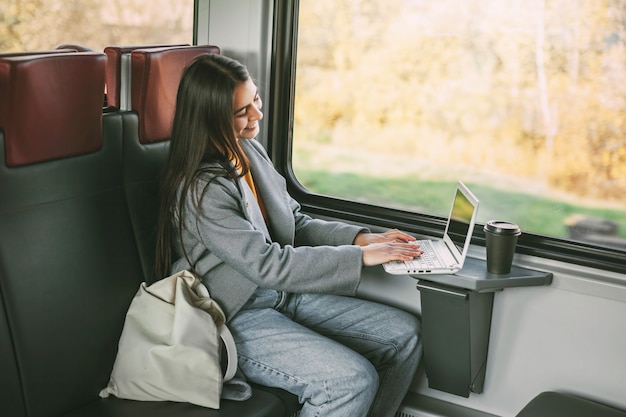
(446, 255)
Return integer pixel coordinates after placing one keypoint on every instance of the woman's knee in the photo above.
(362, 372)
(349, 381)
(406, 328)
(407, 320)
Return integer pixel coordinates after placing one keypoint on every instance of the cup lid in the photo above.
(502, 227)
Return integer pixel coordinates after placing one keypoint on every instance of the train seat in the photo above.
(70, 261)
(67, 255)
(156, 74)
(144, 160)
(556, 404)
(145, 156)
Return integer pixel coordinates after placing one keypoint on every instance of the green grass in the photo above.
(532, 213)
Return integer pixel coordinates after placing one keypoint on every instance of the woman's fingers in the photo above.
(379, 253)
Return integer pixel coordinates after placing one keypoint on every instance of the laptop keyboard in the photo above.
(433, 259)
(428, 259)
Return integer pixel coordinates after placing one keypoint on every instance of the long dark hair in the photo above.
(203, 131)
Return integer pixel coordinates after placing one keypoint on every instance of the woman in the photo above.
(284, 279)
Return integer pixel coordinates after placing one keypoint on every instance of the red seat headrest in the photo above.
(51, 105)
(155, 77)
(114, 69)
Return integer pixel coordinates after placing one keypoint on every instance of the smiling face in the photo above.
(247, 110)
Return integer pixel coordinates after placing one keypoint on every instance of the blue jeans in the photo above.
(342, 356)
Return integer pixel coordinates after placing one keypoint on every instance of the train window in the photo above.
(44, 24)
(525, 101)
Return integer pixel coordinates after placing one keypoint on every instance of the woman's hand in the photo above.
(380, 253)
(393, 235)
(392, 245)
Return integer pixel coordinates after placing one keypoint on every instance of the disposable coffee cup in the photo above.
(501, 238)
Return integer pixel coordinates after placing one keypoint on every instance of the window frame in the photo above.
(280, 142)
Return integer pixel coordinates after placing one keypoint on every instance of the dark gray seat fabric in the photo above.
(261, 404)
(143, 164)
(555, 404)
(10, 390)
(74, 247)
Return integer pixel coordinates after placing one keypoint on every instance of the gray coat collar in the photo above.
(271, 188)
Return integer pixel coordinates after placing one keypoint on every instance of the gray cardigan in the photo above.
(235, 251)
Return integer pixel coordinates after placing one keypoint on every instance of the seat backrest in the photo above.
(157, 72)
(68, 261)
(11, 396)
(143, 164)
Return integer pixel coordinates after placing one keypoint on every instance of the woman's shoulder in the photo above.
(213, 172)
(254, 146)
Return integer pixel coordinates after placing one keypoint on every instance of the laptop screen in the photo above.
(460, 219)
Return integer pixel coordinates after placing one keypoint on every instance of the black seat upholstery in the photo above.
(261, 404)
(71, 256)
(11, 394)
(143, 164)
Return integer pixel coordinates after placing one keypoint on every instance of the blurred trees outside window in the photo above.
(33, 25)
(525, 99)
